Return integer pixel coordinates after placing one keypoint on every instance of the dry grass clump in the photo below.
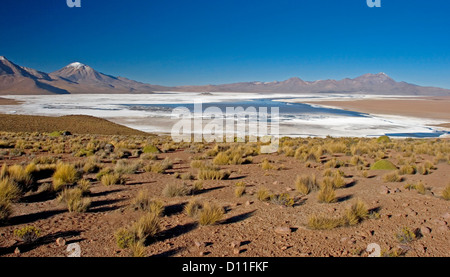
(193, 208)
(353, 215)
(20, 175)
(143, 202)
(322, 222)
(210, 214)
(159, 167)
(9, 191)
(336, 182)
(174, 190)
(212, 174)
(197, 164)
(327, 194)
(5, 211)
(392, 177)
(407, 169)
(147, 226)
(65, 174)
(112, 179)
(240, 189)
(232, 156)
(446, 192)
(263, 194)
(333, 163)
(306, 184)
(419, 187)
(126, 167)
(74, 200)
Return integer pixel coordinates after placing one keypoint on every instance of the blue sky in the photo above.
(185, 42)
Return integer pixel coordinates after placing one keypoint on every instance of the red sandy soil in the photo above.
(247, 220)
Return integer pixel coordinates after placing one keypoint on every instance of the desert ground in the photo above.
(137, 194)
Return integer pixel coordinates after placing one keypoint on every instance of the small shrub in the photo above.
(124, 238)
(405, 235)
(210, 214)
(283, 199)
(28, 234)
(151, 149)
(383, 165)
(383, 139)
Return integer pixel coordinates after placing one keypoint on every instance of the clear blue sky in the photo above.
(184, 42)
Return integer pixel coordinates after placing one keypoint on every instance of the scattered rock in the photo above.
(424, 230)
(17, 250)
(397, 190)
(284, 248)
(275, 183)
(248, 203)
(199, 244)
(235, 244)
(202, 253)
(288, 189)
(384, 190)
(283, 230)
(60, 242)
(236, 251)
(446, 216)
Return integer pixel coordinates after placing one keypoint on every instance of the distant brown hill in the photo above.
(79, 78)
(76, 124)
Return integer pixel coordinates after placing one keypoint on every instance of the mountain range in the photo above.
(78, 78)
